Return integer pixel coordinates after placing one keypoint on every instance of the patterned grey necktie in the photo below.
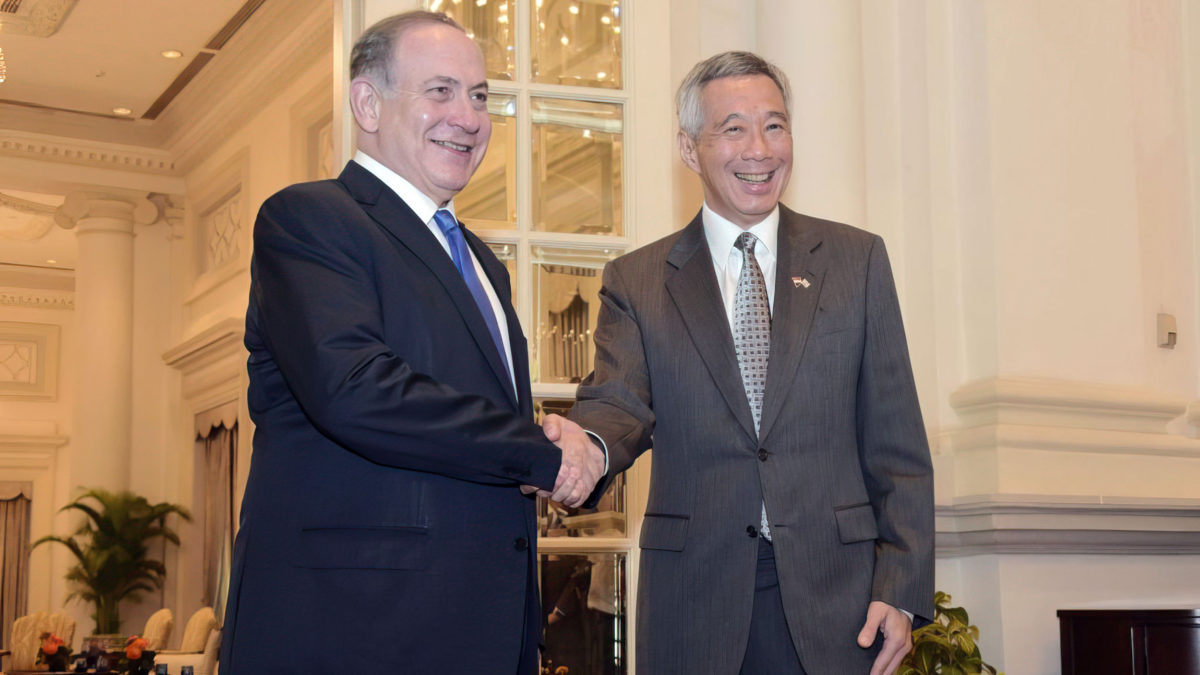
(752, 336)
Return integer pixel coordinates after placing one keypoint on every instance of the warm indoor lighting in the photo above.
(435, 6)
(122, 111)
(503, 18)
(3, 66)
(574, 9)
(617, 29)
(601, 75)
(51, 261)
(480, 3)
(606, 19)
(564, 40)
(172, 54)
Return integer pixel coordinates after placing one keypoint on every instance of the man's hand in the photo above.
(897, 636)
(582, 463)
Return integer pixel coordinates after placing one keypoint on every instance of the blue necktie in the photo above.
(466, 267)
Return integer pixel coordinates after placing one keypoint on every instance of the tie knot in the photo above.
(746, 242)
(445, 221)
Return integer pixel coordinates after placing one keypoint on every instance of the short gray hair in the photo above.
(373, 52)
(725, 64)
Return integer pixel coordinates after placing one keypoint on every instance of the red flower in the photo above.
(51, 643)
(134, 647)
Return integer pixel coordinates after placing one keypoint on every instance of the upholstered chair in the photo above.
(200, 645)
(158, 629)
(26, 637)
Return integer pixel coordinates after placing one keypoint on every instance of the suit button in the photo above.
(751, 531)
(520, 543)
(762, 454)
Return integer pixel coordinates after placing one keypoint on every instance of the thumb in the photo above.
(866, 636)
(552, 427)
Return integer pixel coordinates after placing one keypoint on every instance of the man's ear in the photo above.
(687, 151)
(365, 104)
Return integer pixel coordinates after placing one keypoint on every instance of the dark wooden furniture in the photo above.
(1130, 641)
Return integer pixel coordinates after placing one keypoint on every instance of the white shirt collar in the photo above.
(722, 233)
(418, 201)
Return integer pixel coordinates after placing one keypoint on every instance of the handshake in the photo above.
(582, 463)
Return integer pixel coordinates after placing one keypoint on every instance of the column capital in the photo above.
(117, 209)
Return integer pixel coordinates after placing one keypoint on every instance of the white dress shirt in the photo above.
(425, 207)
(727, 258)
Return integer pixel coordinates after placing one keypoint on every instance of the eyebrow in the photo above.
(739, 116)
(446, 79)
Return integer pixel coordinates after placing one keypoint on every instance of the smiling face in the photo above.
(743, 152)
(432, 128)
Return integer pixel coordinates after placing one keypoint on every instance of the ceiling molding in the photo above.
(36, 18)
(279, 42)
(89, 153)
(37, 299)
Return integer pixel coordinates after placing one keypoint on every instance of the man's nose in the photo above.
(756, 146)
(463, 114)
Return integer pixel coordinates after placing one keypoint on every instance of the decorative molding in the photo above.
(35, 18)
(212, 363)
(1067, 524)
(226, 187)
(29, 354)
(37, 300)
(1067, 439)
(85, 152)
(1062, 403)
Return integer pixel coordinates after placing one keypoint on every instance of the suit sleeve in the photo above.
(614, 400)
(894, 451)
(319, 314)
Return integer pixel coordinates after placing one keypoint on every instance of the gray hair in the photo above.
(373, 52)
(725, 64)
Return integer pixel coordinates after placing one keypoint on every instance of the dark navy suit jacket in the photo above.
(382, 529)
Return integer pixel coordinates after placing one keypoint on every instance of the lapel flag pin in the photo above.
(797, 282)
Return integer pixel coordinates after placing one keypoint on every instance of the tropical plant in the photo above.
(112, 550)
(948, 646)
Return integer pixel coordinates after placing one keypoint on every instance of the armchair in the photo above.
(26, 637)
(199, 648)
(158, 629)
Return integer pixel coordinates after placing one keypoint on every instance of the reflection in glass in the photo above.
(577, 160)
(490, 199)
(577, 42)
(566, 289)
(507, 253)
(488, 23)
(557, 520)
(583, 605)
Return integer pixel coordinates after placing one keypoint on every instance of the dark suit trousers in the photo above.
(770, 648)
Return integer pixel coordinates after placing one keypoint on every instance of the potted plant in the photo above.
(111, 548)
(948, 646)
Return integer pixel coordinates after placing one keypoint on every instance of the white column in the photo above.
(818, 43)
(100, 442)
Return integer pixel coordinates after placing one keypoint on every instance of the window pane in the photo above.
(577, 159)
(583, 604)
(490, 199)
(507, 253)
(566, 289)
(557, 520)
(577, 42)
(487, 21)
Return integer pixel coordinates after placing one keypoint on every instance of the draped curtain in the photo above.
(216, 445)
(15, 499)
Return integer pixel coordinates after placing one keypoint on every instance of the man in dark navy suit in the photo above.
(385, 525)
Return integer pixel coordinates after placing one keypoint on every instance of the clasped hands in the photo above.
(582, 463)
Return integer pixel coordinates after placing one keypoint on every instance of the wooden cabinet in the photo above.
(1130, 642)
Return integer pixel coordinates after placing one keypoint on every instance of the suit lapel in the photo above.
(393, 215)
(694, 290)
(794, 308)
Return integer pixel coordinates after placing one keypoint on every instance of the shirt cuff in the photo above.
(604, 448)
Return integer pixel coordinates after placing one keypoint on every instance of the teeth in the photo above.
(453, 146)
(754, 177)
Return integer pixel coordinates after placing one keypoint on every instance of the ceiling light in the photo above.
(574, 9)
(606, 19)
(172, 54)
(503, 18)
(564, 40)
(122, 111)
(51, 261)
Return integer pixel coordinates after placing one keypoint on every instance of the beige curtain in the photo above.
(219, 451)
(15, 499)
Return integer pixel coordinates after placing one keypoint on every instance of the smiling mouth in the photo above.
(454, 146)
(755, 178)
